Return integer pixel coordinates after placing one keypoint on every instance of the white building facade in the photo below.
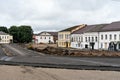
(46, 37)
(82, 41)
(77, 41)
(82, 38)
(106, 37)
(5, 38)
(91, 38)
(101, 40)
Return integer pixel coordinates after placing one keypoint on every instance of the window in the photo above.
(81, 45)
(49, 37)
(66, 36)
(101, 45)
(72, 39)
(96, 39)
(105, 37)
(119, 36)
(40, 37)
(89, 39)
(119, 46)
(110, 37)
(78, 44)
(81, 39)
(101, 37)
(60, 36)
(115, 37)
(45, 37)
(92, 39)
(85, 39)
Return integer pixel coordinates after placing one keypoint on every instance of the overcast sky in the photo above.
(55, 15)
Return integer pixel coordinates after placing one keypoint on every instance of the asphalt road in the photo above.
(19, 51)
(2, 52)
(24, 55)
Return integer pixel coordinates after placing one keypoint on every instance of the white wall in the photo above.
(44, 38)
(94, 35)
(76, 41)
(104, 43)
(100, 43)
(5, 39)
(83, 42)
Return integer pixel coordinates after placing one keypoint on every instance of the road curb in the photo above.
(62, 66)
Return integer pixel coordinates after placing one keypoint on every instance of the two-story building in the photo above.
(5, 38)
(87, 37)
(46, 37)
(78, 39)
(110, 36)
(64, 39)
(103, 36)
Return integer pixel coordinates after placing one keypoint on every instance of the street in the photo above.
(28, 56)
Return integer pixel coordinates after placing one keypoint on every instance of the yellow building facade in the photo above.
(64, 39)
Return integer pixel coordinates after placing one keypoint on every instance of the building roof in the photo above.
(3, 33)
(35, 34)
(71, 28)
(115, 26)
(97, 28)
(82, 30)
(52, 33)
(90, 28)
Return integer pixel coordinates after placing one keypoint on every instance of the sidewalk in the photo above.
(30, 73)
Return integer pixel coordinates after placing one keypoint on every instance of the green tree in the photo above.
(25, 34)
(4, 29)
(13, 30)
(21, 34)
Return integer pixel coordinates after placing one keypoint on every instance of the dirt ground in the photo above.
(52, 49)
(30, 73)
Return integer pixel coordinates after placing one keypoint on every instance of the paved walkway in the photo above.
(30, 73)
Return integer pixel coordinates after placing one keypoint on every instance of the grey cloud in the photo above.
(57, 14)
(85, 5)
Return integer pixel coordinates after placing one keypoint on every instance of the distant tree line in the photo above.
(4, 29)
(21, 34)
